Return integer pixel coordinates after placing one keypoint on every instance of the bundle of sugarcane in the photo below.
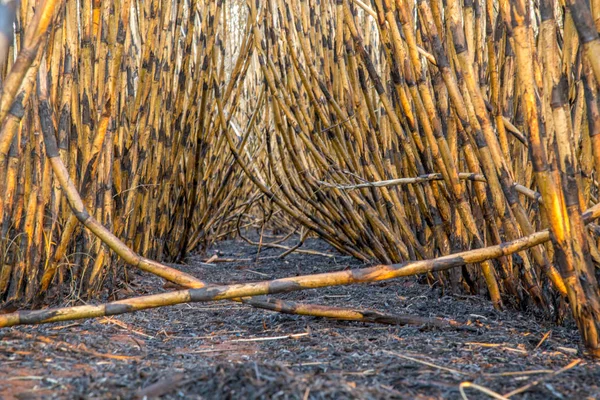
(457, 134)
(409, 130)
(129, 94)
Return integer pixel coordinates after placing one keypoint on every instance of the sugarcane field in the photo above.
(300, 199)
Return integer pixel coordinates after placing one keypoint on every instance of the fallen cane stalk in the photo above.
(347, 314)
(224, 292)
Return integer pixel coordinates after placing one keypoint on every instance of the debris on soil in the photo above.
(227, 350)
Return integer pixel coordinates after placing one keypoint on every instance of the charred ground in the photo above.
(228, 351)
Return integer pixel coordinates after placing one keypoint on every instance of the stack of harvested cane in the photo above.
(461, 134)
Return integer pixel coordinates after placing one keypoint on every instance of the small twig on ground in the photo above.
(568, 350)
(226, 260)
(56, 328)
(454, 371)
(259, 273)
(26, 378)
(262, 339)
(521, 373)
(213, 258)
(482, 389)
(572, 364)
(125, 326)
(546, 336)
(306, 393)
(501, 346)
(79, 349)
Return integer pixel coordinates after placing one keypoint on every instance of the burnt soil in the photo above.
(226, 350)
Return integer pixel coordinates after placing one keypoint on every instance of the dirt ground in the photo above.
(227, 350)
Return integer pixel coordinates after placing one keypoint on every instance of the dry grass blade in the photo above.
(427, 363)
(522, 389)
(482, 389)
